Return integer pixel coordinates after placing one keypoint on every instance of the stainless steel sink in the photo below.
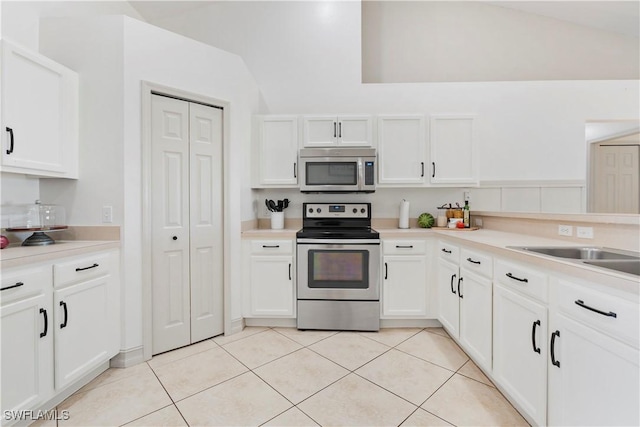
(624, 266)
(613, 259)
(582, 252)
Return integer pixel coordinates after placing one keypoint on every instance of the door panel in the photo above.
(205, 186)
(170, 224)
(617, 179)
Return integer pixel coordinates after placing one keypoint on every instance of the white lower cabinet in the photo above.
(476, 317)
(26, 324)
(72, 306)
(465, 297)
(594, 374)
(404, 279)
(82, 325)
(593, 378)
(520, 350)
(449, 304)
(269, 289)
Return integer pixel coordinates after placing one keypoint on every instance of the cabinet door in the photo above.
(27, 352)
(449, 305)
(320, 131)
(355, 131)
(401, 150)
(595, 378)
(82, 329)
(520, 351)
(475, 295)
(40, 109)
(272, 290)
(453, 158)
(404, 286)
(276, 154)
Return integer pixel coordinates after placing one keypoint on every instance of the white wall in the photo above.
(438, 41)
(144, 52)
(306, 58)
(21, 19)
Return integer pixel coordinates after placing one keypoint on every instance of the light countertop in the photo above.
(16, 255)
(497, 243)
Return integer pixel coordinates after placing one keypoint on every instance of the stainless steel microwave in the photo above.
(337, 170)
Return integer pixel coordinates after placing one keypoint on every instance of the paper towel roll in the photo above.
(404, 214)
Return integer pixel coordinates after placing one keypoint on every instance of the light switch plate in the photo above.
(107, 214)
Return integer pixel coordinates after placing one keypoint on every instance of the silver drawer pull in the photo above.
(87, 268)
(595, 310)
(511, 276)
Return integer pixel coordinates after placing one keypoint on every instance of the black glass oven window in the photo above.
(332, 173)
(338, 269)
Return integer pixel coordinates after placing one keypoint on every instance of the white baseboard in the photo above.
(410, 323)
(271, 323)
(237, 325)
(384, 323)
(128, 358)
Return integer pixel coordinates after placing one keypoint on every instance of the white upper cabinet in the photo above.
(401, 150)
(453, 146)
(335, 131)
(39, 115)
(275, 162)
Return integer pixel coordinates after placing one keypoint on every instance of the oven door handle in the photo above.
(339, 241)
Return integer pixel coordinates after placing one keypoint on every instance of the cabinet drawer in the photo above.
(521, 278)
(448, 251)
(476, 261)
(272, 247)
(80, 269)
(404, 247)
(24, 282)
(614, 316)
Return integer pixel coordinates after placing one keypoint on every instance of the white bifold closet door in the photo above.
(186, 203)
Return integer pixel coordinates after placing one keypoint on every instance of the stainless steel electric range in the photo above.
(338, 256)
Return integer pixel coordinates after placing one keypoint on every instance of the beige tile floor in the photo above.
(286, 377)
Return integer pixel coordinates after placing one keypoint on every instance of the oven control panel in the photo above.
(337, 210)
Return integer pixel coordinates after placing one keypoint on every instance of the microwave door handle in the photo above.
(360, 176)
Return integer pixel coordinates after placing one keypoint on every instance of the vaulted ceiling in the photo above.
(616, 16)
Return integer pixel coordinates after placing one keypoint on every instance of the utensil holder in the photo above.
(277, 220)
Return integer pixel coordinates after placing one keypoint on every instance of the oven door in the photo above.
(339, 270)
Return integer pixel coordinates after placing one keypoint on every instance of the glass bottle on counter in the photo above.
(466, 215)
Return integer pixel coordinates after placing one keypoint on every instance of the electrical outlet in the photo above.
(107, 214)
(585, 232)
(467, 196)
(478, 222)
(565, 230)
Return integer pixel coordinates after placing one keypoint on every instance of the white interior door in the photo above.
(170, 223)
(187, 236)
(617, 179)
(206, 221)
